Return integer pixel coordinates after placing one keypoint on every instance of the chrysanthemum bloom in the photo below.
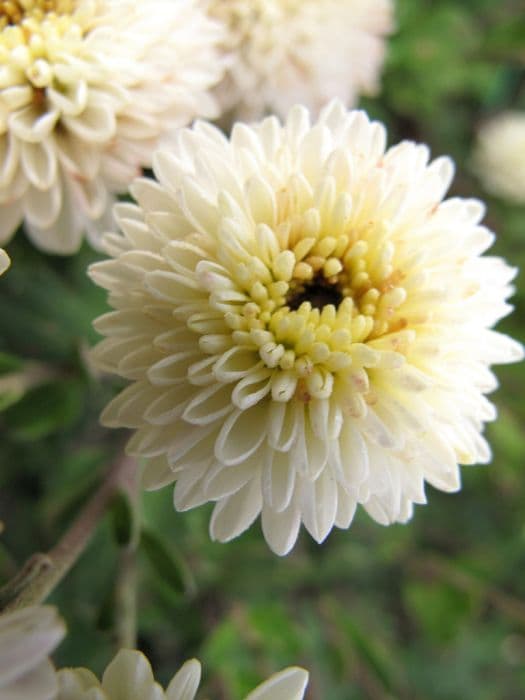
(4, 261)
(305, 323)
(308, 51)
(129, 677)
(87, 89)
(27, 637)
(499, 156)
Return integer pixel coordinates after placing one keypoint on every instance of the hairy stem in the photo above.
(42, 572)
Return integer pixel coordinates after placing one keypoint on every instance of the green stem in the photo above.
(126, 600)
(126, 586)
(42, 572)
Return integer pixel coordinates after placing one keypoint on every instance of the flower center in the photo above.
(13, 12)
(319, 292)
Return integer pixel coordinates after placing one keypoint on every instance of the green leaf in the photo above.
(44, 410)
(9, 363)
(122, 519)
(438, 608)
(167, 564)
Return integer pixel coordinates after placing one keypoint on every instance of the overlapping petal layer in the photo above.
(304, 322)
(129, 677)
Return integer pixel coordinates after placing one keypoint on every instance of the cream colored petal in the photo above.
(10, 220)
(39, 163)
(237, 439)
(90, 196)
(31, 124)
(157, 473)
(75, 683)
(95, 125)
(71, 100)
(234, 514)
(129, 677)
(16, 97)
(320, 505)
(185, 683)
(208, 405)
(27, 636)
(42, 207)
(4, 261)
(278, 479)
(281, 529)
(9, 158)
(289, 684)
(222, 481)
(40, 683)
(189, 489)
(64, 236)
(76, 158)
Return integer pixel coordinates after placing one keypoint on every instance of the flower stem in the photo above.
(42, 572)
(126, 584)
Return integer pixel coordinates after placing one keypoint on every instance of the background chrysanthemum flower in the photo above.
(27, 637)
(305, 324)
(129, 677)
(87, 89)
(499, 156)
(309, 51)
(4, 261)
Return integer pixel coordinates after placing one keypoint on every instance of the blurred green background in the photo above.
(434, 610)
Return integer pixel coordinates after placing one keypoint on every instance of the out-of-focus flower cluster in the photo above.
(300, 51)
(499, 156)
(87, 90)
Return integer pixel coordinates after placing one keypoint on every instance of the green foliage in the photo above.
(434, 610)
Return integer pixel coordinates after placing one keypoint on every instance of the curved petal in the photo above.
(289, 684)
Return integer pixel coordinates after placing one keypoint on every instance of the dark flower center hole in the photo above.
(318, 291)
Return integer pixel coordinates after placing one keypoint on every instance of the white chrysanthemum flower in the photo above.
(27, 637)
(301, 51)
(305, 323)
(4, 261)
(87, 90)
(499, 156)
(129, 677)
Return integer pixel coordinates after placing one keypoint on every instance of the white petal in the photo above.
(95, 125)
(129, 677)
(12, 215)
(9, 158)
(241, 435)
(43, 207)
(157, 473)
(320, 505)
(278, 479)
(234, 514)
(39, 163)
(224, 481)
(185, 683)
(208, 405)
(281, 529)
(40, 683)
(289, 684)
(30, 124)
